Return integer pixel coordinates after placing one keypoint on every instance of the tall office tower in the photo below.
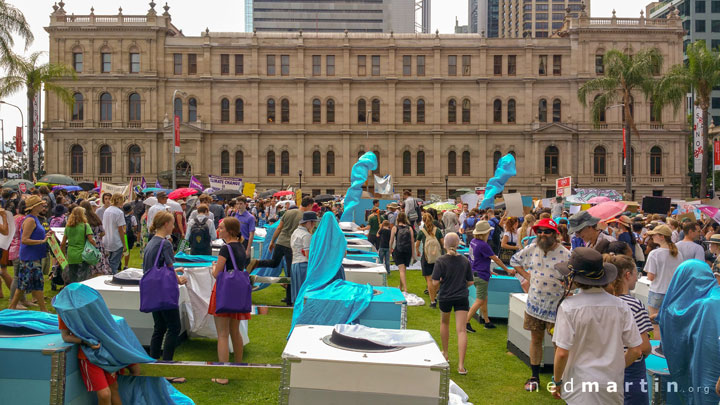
(337, 15)
(483, 17)
(534, 18)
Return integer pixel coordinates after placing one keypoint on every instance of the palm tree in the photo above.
(29, 74)
(700, 74)
(624, 75)
(12, 21)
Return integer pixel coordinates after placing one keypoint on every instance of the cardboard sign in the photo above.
(563, 186)
(55, 249)
(470, 199)
(298, 197)
(688, 215)
(513, 204)
(249, 190)
(656, 205)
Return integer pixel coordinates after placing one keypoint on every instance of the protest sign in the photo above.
(513, 204)
(225, 183)
(55, 249)
(249, 190)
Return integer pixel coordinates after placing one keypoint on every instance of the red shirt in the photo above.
(62, 326)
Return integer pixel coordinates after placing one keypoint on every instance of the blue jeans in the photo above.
(114, 258)
(384, 255)
(635, 374)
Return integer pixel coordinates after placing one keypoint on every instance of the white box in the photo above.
(519, 338)
(361, 244)
(642, 289)
(365, 272)
(316, 373)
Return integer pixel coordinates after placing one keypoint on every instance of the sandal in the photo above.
(464, 372)
(176, 380)
(532, 384)
(219, 381)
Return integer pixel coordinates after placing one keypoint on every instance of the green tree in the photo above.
(700, 74)
(12, 21)
(29, 74)
(624, 75)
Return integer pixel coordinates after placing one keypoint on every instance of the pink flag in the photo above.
(195, 183)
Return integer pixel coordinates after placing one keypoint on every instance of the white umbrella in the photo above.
(174, 206)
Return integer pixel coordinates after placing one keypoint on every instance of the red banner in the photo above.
(177, 134)
(624, 155)
(18, 140)
(716, 152)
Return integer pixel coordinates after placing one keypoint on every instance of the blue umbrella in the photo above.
(72, 188)
(154, 190)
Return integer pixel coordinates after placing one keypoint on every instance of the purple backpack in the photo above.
(159, 289)
(233, 291)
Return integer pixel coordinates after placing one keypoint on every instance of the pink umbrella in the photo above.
(182, 193)
(712, 212)
(598, 200)
(283, 193)
(607, 210)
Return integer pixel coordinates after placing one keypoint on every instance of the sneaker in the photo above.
(489, 325)
(433, 305)
(426, 292)
(252, 265)
(532, 384)
(469, 328)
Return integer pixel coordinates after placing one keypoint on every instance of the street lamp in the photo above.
(447, 195)
(628, 154)
(176, 130)
(22, 126)
(300, 180)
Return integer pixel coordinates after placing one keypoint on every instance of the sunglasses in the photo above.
(545, 232)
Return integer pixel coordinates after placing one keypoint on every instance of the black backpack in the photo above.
(200, 238)
(129, 231)
(495, 240)
(403, 241)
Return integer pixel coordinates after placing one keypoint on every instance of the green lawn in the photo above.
(495, 376)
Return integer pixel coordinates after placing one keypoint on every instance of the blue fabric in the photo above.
(38, 321)
(192, 264)
(358, 177)
(505, 169)
(325, 259)
(266, 254)
(149, 391)
(341, 302)
(690, 325)
(84, 312)
(183, 257)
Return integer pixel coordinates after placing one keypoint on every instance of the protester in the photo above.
(247, 224)
(103, 266)
(202, 232)
(207, 200)
(300, 243)
(131, 230)
(453, 274)
(430, 239)
(402, 239)
(480, 257)
(374, 226)
(114, 225)
(392, 213)
(688, 247)
(217, 211)
(410, 208)
(510, 242)
(105, 205)
(660, 266)
(4, 253)
(464, 214)
(535, 264)
(33, 249)
(526, 228)
(450, 222)
(58, 218)
(674, 228)
(228, 324)
(591, 330)
(623, 232)
(468, 225)
(383, 236)
(77, 232)
(160, 205)
(584, 225)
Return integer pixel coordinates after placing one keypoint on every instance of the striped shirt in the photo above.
(640, 313)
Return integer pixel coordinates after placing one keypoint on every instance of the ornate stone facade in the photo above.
(265, 106)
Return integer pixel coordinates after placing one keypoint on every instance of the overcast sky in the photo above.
(226, 15)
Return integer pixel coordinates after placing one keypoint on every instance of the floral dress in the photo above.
(103, 266)
(144, 234)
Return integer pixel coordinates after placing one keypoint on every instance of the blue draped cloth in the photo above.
(42, 322)
(182, 257)
(505, 169)
(358, 177)
(266, 254)
(689, 319)
(339, 303)
(150, 391)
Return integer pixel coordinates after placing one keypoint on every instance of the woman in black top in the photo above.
(383, 236)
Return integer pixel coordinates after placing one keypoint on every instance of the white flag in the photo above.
(383, 185)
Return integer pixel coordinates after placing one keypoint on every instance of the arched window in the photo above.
(420, 118)
(134, 159)
(285, 111)
(452, 111)
(105, 160)
(239, 162)
(375, 110)
(105, 107)
(316, 164)
(632, 162)
(362, 110)
(466, 163)
(271, 163)
(224, 162)
(552, 156)
(134, 107)
(599, 159)
(407, 111)
(511, 111)
(542, 110)
(601, 115)
(270, 110)
(420, 163)
(78, 111)
(407, 165)
(497, 111)
(225, 115)
(316, 118)
(466, 111)
(557, 110)
(239, 110)
(76, 159)
(655, 116)
(330, 163)
(177, 108)
(330, 111)
(192, 110)
(452, 163)
(656, 161)
(285, 163)
(496, 159)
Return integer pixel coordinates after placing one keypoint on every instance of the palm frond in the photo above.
(12, 21)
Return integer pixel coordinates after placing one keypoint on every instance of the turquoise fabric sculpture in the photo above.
(266, 254)
(341, 302)
(505, 169)
(358, 177)
(42, 322)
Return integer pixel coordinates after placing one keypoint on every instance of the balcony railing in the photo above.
(76, 124)
(600, 179)
(105, 124)
(133, 124)
(105, 178)
(656, 179)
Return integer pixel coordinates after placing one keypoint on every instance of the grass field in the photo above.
(495, 376)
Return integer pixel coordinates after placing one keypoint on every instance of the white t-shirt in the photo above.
(594, 326)
(512, 237)
(660, 263)
(112, 219)
(691, 250)
(409, 206)
(154, 210)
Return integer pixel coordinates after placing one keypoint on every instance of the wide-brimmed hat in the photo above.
(581, 220)
(661, 230)
(32, 202)
(623, 219)
(545, 223)
(481, 228)
(714, 239)
(586, 267)
(393, 205)
(59, 210)
(309, 216)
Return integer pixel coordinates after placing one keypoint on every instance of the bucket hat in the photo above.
(481, 228)
(586, 267)
(581, 220)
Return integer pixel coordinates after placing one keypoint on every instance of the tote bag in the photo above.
(233, 291)
(159, 289)
(90, 254)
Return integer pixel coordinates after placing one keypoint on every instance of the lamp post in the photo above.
(628, 154)
(447, 195)
(22, 127)
(300, 180)
(176, 137)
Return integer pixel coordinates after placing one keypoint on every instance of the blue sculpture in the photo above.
(358, 177)
(505, 169)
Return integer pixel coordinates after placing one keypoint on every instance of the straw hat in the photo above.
(714, 239)
(623, 219)
(481, 228)
(32, 202)
(661, 230)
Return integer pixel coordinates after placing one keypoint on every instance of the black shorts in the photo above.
(460, 304)
(427, 268)
(402, 258)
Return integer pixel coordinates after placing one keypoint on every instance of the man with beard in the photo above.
(536, 263)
